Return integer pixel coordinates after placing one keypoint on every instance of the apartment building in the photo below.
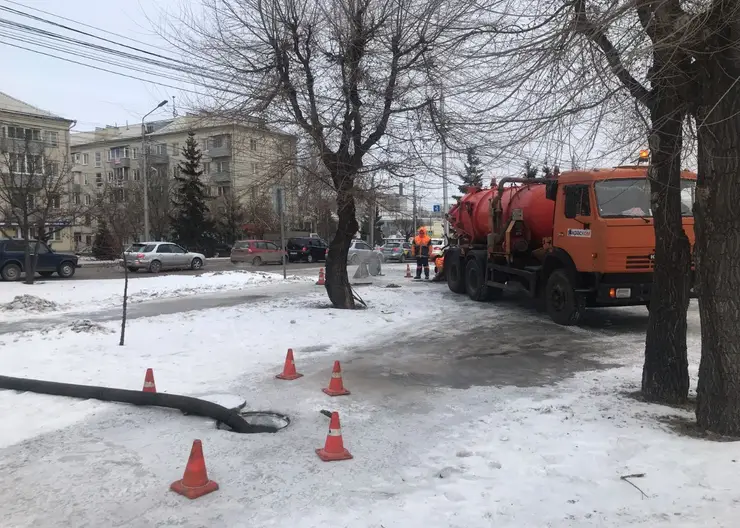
(241, 159)
(34, 147)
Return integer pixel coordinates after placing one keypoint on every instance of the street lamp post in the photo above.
(145, 171)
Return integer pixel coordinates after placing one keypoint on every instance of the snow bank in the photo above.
(196, 352)
(23, 300)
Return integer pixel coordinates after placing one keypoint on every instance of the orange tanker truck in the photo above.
(583, 239)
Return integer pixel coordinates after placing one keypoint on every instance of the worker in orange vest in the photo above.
(422, 250)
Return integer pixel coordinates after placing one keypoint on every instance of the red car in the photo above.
(257, 252)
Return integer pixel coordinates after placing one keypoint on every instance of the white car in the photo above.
(360, 250)
(437, 245)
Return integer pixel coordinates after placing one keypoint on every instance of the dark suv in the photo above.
(306, 249)
(13, 255)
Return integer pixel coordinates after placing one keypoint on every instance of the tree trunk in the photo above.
(717, 250)
(665, 373)
(337, 279)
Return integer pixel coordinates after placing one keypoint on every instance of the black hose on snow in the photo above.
(229, 417)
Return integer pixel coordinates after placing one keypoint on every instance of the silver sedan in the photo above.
(158, 256)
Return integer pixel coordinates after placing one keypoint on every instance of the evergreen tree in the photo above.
(473, 175)
(103, 244)
(190, 221)
(530, 171)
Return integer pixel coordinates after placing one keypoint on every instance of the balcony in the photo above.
(157, 159)
(223, 151)
(21, 145)
(121, 162)
(221, 177)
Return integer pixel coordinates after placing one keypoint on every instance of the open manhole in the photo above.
(268, 421)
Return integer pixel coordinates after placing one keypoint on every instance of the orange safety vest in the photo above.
(422, 246)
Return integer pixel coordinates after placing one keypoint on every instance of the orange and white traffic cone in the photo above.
(336, 386)
(408, 271)
(194, 482)
(322, 278)
(334, 449)
(289, 371)
(149, 385)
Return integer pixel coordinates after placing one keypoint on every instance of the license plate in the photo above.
(293, 253)
(622, 293)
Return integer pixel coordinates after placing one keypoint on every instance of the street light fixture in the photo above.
(145, 171)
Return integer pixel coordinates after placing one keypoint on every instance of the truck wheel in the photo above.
(564, 305)
(475, 283)
(454, 272)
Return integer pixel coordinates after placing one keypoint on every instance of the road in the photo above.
(93, 272)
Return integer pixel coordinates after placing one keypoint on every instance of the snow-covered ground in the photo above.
(549, 452)
(19, 300)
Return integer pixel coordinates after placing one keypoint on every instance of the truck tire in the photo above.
(564, 305)
(475, 282)
(454, 271)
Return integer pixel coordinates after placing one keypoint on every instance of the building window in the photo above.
(98, 159)
(99, 179)
(110, 176)
(120, 174)
(255, 168)
(86, 159)
(76, 198)
(135, 153)
(175, 149)
(31, 134)
(216, 142)
(223, 190)
(160, 149)
(87, 178)
(55, 201)
(117, 153)
(135, 174)
(76, 158)
(206, 167)
(51, 168)
(175, 171)
(88, 199)
(222, 166)
(17, 163)
(252, 144)
(77, 178)
(52, 138)
(88, 240)
(88, 220)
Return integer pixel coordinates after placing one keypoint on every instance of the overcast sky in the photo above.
(97, 98)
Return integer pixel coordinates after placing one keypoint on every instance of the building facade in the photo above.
(34, 170)
(241, 161)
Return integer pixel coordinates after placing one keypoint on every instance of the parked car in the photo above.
(216, 249)
(399, 251)
(360, 250)
(13, 260)
(257, 252)
(437, 245)
(158, 256)
(306, 249)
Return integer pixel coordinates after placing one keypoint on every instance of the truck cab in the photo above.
(603, 232)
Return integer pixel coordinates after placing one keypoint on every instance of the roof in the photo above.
(177, 125)
(16, 106)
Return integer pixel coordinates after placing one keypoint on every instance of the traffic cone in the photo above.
(289, 372)
(333, 449)
(408, 271)
(321, 280)
(336, 386)
(194, 482)
(149, 385)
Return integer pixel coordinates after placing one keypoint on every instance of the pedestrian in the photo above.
(422, 250)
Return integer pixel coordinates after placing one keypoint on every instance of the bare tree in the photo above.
(120, 206)
(345, 72)
(35, 197)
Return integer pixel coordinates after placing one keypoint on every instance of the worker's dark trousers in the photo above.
(422, 262)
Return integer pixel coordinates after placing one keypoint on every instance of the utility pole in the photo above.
(445, 207)
(281, 212)
(146, 170)
(414, 206)
(372, 212)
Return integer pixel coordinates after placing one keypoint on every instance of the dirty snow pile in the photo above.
(29, 303)
(94, 294)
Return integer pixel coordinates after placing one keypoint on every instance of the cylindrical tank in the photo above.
(471, 217)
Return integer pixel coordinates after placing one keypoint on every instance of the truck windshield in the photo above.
(629, 197)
